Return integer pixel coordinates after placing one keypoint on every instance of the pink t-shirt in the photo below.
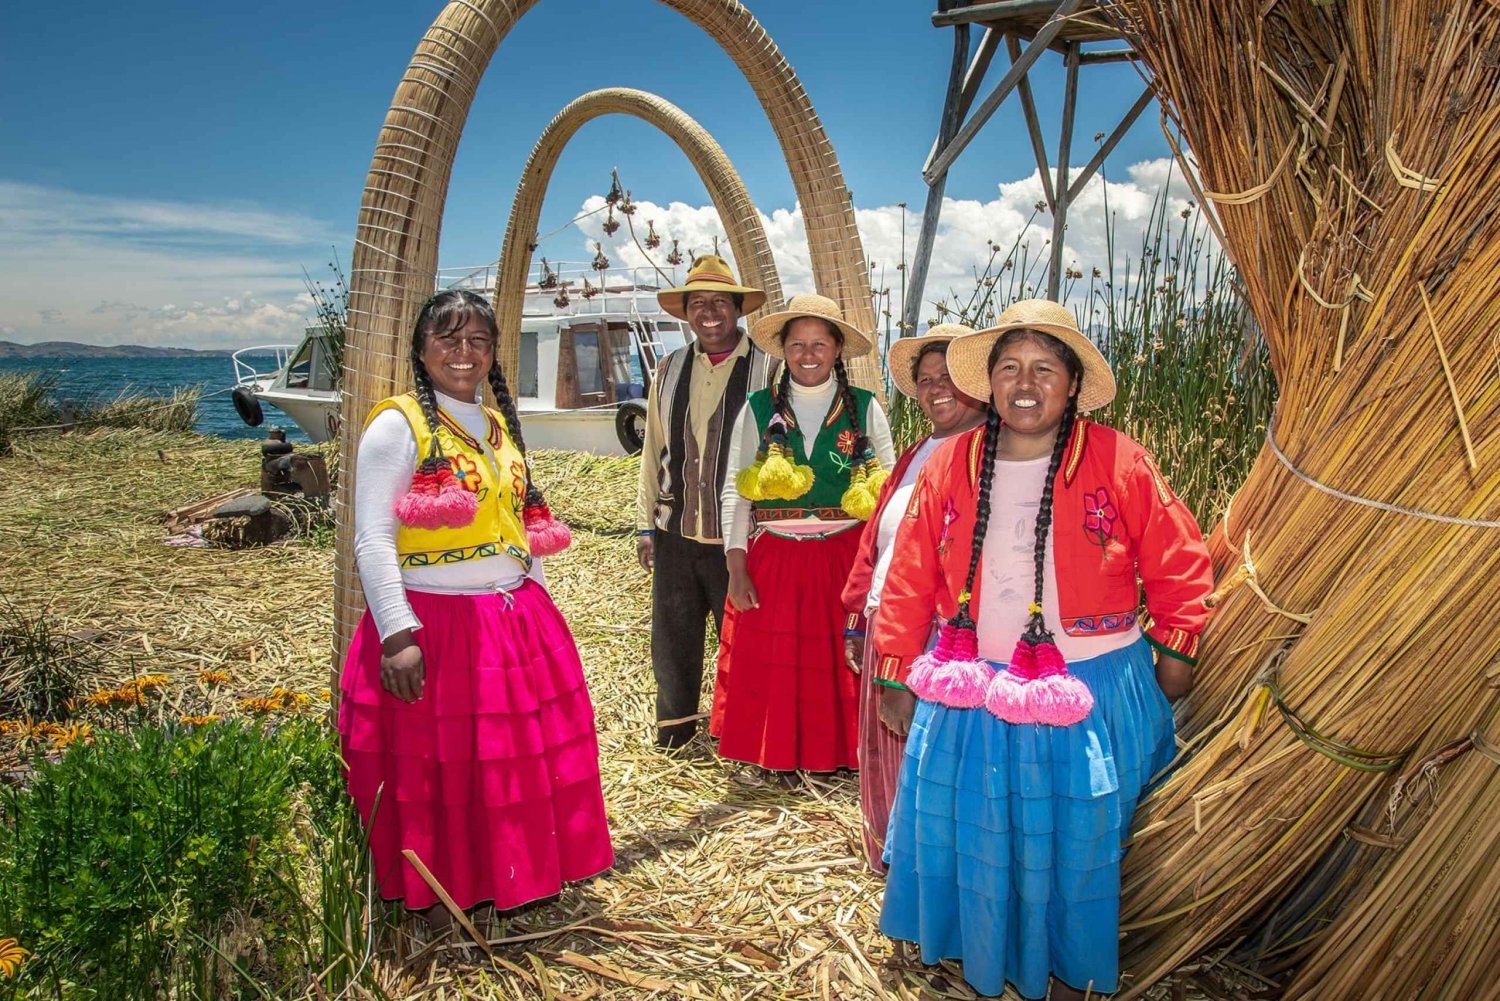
(1007, 568)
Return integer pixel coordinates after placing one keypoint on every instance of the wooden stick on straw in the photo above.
(1463, 425)
(448, 902)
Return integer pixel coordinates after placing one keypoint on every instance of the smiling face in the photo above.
(810, 346)
(713, 316)
(1031, 380)
(941, 403)
(458, 360)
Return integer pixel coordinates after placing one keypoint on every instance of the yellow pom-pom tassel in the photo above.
(875, 477)
(858, 501)
(779, 479)
(747, 480)
(805, 477)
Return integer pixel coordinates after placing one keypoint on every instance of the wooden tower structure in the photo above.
(1027, 29)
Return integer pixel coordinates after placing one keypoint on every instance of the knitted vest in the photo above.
(831, 457)
(493, 470)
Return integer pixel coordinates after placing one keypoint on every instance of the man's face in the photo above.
(713, 316)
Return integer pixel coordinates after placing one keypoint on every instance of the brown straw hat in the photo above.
(709, 273)
(905, 350)
(968, 357)
(763, 332)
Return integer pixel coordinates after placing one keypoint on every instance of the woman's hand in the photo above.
(1174, 676)
(741, 588)
(854, 653)
(897, 705)
(402, 671)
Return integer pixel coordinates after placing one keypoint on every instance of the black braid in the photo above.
(861, 440)
(507, 405)
(1037, 626)
(425, 399)
(991, 434)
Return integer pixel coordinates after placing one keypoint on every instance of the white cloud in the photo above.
(963, 244)
(115, 270)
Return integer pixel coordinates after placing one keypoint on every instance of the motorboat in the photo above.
(589, 341)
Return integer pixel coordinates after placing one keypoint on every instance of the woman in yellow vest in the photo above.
(465, 721)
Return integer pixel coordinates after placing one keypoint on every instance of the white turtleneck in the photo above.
(384, 465)
(810, 405)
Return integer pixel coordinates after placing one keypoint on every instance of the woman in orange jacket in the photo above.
(1041, 717)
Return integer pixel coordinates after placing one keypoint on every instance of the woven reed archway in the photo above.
(396, 243)
(747, 237)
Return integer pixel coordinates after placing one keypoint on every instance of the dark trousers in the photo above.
(689, 583)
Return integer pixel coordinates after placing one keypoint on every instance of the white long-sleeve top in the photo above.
(384, 465)
(890, 520)
(810, 404)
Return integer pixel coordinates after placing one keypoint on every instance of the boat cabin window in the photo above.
(299, 369)
(526, 380)
(586, 360)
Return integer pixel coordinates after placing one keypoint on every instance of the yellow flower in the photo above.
(62, 736)
(12, 726)
(149, 683)
(113, 698)
(280, 700)
(199, 720)
(214, 677)
(11, 956)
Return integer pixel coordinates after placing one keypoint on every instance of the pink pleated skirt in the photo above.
(492, 776)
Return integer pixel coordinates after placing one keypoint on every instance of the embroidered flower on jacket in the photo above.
(950, 515)
(1099, 516)
(465, 472)
(845, 442)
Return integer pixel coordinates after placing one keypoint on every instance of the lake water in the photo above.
(92, 379)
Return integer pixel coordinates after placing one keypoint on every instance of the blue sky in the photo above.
(170, 167)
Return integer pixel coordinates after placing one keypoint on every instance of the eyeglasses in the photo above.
(481, 344)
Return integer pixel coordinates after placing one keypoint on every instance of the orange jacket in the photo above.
(1114, 521)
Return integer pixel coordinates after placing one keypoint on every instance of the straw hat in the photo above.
(905, 350)
(968, 357)
(765, 329)
(709, 273)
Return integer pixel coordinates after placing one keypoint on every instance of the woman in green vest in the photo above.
(808, 457)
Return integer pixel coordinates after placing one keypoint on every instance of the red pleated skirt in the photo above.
(492, 776)
(784, 698)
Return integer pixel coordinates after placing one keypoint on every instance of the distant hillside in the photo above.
(70, 349)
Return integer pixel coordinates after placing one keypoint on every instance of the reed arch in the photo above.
(394, 262)
(747, 237)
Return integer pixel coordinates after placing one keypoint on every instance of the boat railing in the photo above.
(246, 374)
(620, 289)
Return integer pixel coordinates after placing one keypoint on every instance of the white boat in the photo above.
(589, 341)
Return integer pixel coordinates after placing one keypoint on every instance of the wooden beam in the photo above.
(1064, 148)
(1140, 105)
(972, 78)
(998, 10)
(1007, 83)
(1108, 56)
(960, 72)
(1033, 127)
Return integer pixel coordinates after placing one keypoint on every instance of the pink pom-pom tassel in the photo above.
(545, 534)
(1006, 698)
(1059, 700)
(951, 674)
(456, 506)
(1049, 661)
(436, 500)
(1023, 661)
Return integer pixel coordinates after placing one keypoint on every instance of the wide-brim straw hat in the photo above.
(906, 350)
(709, 273)
(968, 356)
(763, 332)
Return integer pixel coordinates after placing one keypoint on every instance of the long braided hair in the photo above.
(1036, 628)
(446, 312)
(783, 403)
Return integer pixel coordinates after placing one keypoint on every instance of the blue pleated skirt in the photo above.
(1005, 840)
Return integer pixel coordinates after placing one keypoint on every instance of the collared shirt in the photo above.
(704, 440)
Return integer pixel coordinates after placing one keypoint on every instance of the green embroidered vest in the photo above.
(831, 457)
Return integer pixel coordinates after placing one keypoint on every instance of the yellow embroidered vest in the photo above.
(493, 470)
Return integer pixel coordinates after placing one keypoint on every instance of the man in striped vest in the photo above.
(690, 417)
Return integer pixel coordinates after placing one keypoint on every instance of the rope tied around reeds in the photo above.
(1345, 754)
(1405, 176)
(1258, 191)
(1446, 519)
(1247, 573)
(1485, 746)
(1357, 291)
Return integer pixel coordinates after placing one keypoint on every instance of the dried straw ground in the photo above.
(724, 888)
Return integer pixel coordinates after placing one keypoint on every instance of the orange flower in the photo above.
(845, 441)
(465, 472)
(62, 736)
(11, 956)
(148, 683)
(199, 720)
(214, 677)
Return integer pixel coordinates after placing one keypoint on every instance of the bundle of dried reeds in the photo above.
(1351, 150)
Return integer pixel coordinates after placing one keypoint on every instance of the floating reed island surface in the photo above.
(725, 887)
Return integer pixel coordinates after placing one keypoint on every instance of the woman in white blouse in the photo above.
(465, 722)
